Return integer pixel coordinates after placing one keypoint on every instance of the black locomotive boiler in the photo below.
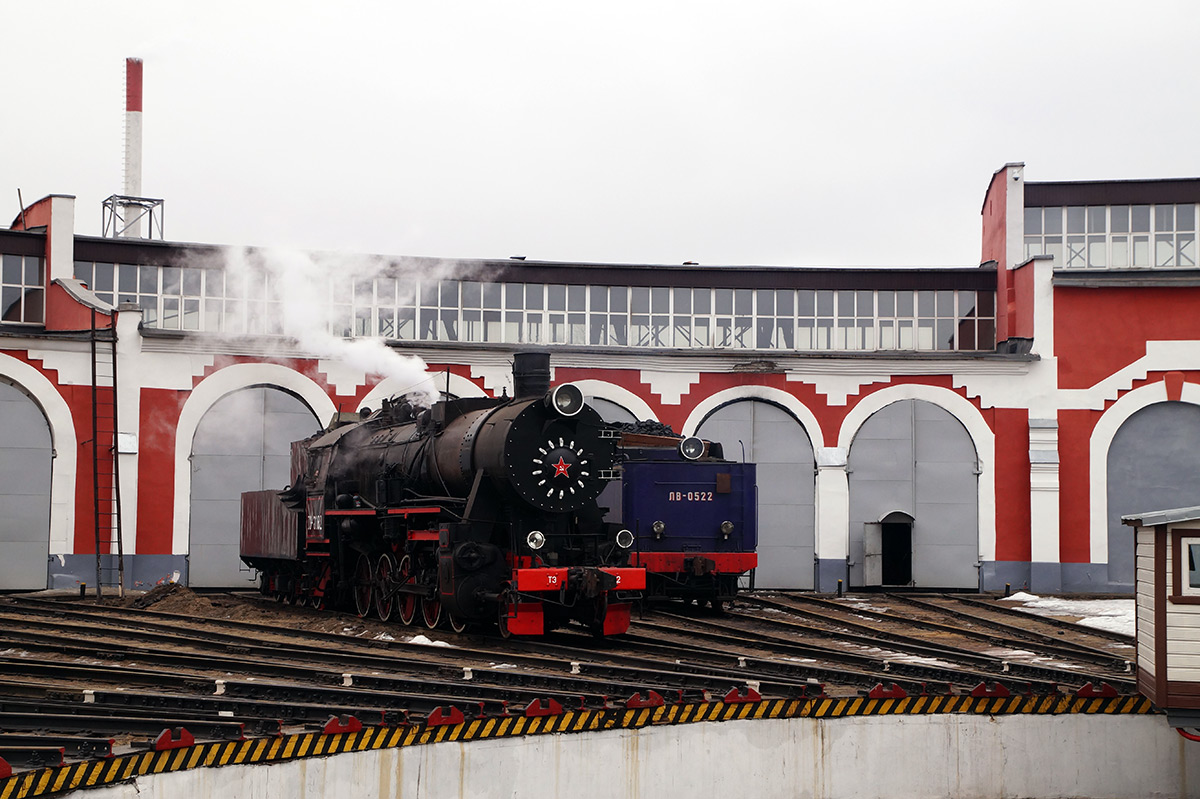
(472, 510)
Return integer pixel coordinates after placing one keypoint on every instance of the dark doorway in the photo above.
(897, 553)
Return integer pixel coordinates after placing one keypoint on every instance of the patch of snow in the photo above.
(384, 637)
(423, 641)
(1113, 615)
(922, 661)
(504, 665)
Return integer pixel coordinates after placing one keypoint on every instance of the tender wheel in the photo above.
(431, 612)
(456, 624)
(406, 603)
(385, 584)
(364, 584)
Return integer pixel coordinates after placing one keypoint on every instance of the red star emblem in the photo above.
(561, 467)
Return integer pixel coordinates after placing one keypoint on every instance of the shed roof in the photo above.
(1169, 516)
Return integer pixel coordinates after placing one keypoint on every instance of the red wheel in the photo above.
(385, 585)
(456, 624)
(363, 586)
(406, 601)
(431, 612)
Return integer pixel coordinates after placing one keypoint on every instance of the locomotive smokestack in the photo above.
(133, 138)
(531, 374)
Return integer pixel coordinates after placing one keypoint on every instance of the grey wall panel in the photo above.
(1153, 464)
(914, 456)
(773, 439)
(25, 463)
(241, 444)
(610, 411)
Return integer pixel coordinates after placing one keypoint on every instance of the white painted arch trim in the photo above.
(631, 402)
(1101, 441)
(768, 393)
(389, 387)
(65, 463)
(207, 393)
(971, 419)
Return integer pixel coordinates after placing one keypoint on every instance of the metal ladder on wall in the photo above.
(106, 493)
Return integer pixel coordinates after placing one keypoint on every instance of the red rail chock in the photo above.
(997, 691)
(1090, 691)
(5, 769)
(440, 717)
(653, 699)
(735, 697)
(342, 723)
(535, 708)
(177, 738)
(894, 692)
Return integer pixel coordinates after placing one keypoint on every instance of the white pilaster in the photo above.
(1043, 493)
(129, 413)
(833, 504)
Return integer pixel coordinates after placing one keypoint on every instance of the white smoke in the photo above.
(306, 290)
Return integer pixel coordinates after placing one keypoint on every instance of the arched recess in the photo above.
(780, 445)
(25, 469)
(243, 443)
(914, 514)
(982, 438)
(206, 394)
(65, 449)
(1153, 464)
(617, 404)
(1099, 514)
(775, 396)
(445, 382)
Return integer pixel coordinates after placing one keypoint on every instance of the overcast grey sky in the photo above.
(754, 132)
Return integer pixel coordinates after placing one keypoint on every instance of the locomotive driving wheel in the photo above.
(385, 586)
(407, 602)
(431, 611)
(502, 620)
(320, 594)
(456, 624)
(363, 586)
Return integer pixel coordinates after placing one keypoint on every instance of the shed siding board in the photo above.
(1144, 548)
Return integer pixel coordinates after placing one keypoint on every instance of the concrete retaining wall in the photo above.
(959, 756)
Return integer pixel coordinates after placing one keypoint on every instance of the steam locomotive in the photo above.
(472, 510)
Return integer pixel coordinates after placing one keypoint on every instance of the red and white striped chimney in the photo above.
(133, 138)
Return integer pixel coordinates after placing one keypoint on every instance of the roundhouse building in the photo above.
(940, 428)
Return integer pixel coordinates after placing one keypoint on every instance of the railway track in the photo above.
(74, 676)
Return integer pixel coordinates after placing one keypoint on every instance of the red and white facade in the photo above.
(965, 428)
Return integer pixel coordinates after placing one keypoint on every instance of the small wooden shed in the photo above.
(1167, 585)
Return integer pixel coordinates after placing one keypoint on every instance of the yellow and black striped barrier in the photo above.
(49, 781)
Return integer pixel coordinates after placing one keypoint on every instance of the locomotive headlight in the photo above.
(535, 540)
(624, 539)
(726, 528)
(691, 448)
(566, 400)
(658, 527)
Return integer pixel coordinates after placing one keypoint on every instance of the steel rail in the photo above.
(1042, 641)
(991, 668)
(1016, 612)
(1115, 664)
